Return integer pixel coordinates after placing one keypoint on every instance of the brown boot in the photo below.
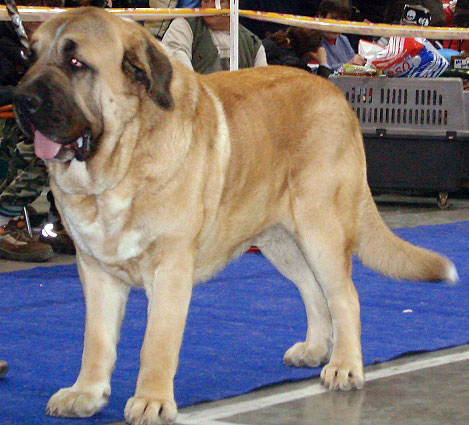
(17, 245)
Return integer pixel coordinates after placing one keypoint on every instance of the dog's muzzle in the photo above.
(47, 112)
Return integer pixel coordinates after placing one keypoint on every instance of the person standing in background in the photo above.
(158, 28)
(203, 44)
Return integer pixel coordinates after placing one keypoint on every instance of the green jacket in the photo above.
(205, 54)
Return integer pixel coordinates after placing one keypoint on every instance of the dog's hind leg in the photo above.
(326, 236)
(281, 249)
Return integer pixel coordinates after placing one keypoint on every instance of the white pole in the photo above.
(234, 32)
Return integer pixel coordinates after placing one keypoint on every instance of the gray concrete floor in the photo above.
(428, 388)
(410, 392)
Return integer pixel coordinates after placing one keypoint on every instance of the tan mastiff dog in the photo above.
(162, 176)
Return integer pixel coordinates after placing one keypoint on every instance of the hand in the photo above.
(320, 56)
(357, 60)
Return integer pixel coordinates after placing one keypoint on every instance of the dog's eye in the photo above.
(76, 64)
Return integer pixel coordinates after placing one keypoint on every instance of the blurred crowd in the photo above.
(202, 44)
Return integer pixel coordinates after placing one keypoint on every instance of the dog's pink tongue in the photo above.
(44, 147)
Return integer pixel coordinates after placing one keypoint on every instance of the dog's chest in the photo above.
(103, 228)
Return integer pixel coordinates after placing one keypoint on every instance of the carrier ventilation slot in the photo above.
(393, 96)
(418, 117)
(400, 97)
(359, 95)
(428, 97)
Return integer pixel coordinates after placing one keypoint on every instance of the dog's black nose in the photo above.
(28, 102)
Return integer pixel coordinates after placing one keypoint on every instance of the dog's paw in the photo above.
(148, 411)
(344, 376)
(303, 354)
(71, 403)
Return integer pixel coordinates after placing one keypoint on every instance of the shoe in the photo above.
(56, 236)
(17, 245)
(3, 368)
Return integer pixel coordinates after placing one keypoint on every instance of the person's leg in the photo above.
(7, 212)
(25, 176)
(10, 136)
(25, 180)
(23, 190)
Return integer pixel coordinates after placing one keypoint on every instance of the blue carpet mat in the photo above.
(239, 326)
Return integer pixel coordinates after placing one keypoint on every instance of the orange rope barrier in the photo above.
(6, 112)
(361, 28)
(40, 13)
(348, 27)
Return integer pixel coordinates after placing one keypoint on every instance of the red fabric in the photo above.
(449, 15)
(459, 45)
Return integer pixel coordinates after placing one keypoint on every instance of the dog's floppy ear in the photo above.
(146, 65)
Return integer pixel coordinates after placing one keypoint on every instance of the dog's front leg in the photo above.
(169, 295)
(105, 298)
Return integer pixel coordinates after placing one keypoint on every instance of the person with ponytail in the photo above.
(297, 47)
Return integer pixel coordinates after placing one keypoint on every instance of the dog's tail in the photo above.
(380, 249)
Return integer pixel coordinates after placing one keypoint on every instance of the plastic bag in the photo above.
(404, 57)
(428, 63)
(397, 50)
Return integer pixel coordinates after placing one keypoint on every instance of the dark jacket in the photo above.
(295, 7)
(6, 95)
(390, 11)
(12, 65)
(461, 14)
(277, 55)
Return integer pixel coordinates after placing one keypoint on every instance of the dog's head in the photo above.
(90, 72)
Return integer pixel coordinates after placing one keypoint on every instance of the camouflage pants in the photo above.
(26, 174)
